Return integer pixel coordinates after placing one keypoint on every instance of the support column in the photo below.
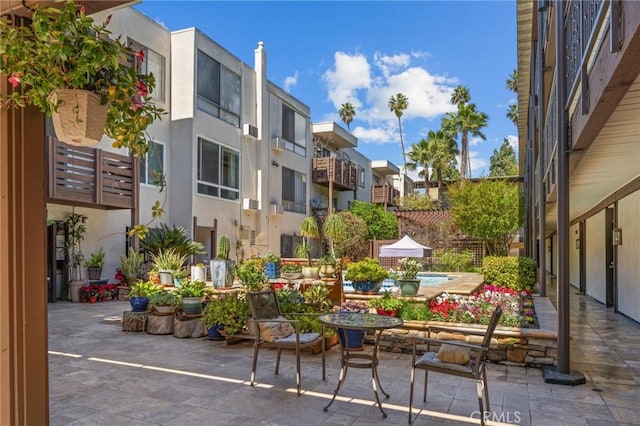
(24, 384)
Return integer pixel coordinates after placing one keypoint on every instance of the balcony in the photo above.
(342, 174)
(90, 177)
(384, 194)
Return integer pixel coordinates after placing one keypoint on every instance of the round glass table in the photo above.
(364, 322)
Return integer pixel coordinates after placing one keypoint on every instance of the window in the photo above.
(152, 165)
(218, 90)
(218, 170)
(153, 63)
(361, 176)
(294, 131)
(294, 191)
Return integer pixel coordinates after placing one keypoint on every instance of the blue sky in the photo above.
(326, 53)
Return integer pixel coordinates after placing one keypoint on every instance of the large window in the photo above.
(152, 165)
(294, 131)
(218, 90)
(153, 63)
(218, 170)
(294, 191)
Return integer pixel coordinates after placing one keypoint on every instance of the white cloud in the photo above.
(353, 79)
(478, 165)
(513, 141)
(474, 140)
(377, 135)
(290, 81)
(351, 72)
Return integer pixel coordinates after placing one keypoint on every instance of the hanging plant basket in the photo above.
(80, 118)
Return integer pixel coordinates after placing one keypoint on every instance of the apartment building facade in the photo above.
(579, 130)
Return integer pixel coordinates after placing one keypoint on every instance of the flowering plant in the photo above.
(121, 278)
(410, 267)
(65, 49)
(352, 306)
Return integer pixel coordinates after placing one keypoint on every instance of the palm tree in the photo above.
(397, 105)
(512, 85)
(512, 81)
(460, 95)
(418, 156)
(347, 112)
(466, 120)
(512, 113)
(442, 150)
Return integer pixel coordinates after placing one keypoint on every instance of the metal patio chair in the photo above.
(266, 313)
(474, 367)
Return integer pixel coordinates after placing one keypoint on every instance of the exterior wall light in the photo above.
(617, 236)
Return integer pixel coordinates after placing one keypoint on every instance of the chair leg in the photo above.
(278, 361)
(486, 389)
(426, 379)
(298, 386)
(255, 363)
(323, 360)
(413, 372)
(480, 391)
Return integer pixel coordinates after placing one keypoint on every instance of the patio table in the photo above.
(365, 322)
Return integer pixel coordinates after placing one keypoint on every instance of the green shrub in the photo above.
(454, 261)
(517, 273)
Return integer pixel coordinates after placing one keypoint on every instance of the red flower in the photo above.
(142, 88)
(15, 79)
(140, 55)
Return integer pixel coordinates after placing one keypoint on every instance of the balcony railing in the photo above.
(384, 194)
(342, 174)
(90, 177)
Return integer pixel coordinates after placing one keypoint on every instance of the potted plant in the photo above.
(250, 273)
(76, 231)
(408, 283)
(139, 295)
(63, 63)
(366, 275)
(352, 338)
(198, 272)
(167, 262)
(164, 302)
(291, 271)
(327, 266)
(387, 304)
(222, 269)
(130, 265)
(192, 293)
(228, 312)
(309, 229)
(272, 265)
(94, 264)
(179, 275)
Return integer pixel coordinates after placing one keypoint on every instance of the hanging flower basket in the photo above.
(80, 118)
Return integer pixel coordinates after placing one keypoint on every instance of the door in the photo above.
(609, 261)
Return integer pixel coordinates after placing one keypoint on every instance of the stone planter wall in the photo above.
(511, 346)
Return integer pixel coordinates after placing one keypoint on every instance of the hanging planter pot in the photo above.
(80, 118)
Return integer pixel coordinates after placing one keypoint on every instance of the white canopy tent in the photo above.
(405, 247)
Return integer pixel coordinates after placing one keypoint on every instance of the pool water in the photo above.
(426, 280)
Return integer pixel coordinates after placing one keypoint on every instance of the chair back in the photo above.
(492, 326)
(263, 304)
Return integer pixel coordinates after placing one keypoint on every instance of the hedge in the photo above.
(518, 273)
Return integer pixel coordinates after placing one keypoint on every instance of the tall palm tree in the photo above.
(397, 105)
(466, 120)
(460, 95)
(347, 112)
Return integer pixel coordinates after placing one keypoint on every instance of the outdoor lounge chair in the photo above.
(273, 330)
(458, 358)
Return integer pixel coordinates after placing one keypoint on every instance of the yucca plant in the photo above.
(168, 260)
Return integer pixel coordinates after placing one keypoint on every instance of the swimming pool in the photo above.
(426, 280)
